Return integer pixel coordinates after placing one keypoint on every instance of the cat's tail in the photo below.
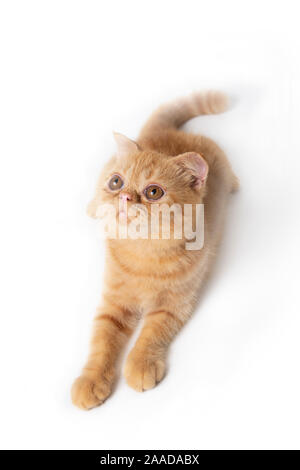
(176, 113)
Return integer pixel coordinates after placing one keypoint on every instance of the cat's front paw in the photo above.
(143, 372)
(87, 393)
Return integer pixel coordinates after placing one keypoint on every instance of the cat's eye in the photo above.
(115, 183)
(153, 192)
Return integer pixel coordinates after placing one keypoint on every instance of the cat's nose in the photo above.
(125, 197)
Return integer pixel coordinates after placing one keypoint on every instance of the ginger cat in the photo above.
(157, 279)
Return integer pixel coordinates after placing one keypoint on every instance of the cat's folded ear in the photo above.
(195, 166)
(125, 145)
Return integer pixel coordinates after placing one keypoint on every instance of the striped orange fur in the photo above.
(158, 280)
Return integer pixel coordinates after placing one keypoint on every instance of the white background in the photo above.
(73, 71)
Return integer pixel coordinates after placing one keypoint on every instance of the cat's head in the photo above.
(137, 176)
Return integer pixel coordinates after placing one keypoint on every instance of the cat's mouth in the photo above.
(122, 217)
(126, 216)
